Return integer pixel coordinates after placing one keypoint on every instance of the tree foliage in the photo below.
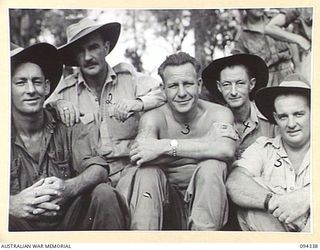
(29, 26)
(211, 29)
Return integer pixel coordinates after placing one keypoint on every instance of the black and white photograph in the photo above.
(160, 119)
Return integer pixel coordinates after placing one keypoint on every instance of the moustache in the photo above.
(90, 63)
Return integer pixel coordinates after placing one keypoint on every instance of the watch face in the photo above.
(173, 143)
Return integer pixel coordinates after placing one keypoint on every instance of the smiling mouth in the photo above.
(184, 101)
(32, 100)
(234, 99)
(294, 132)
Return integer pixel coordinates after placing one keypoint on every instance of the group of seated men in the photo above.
(109, 148)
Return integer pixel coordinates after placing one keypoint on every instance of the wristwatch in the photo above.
(266, 201)
(174, 145)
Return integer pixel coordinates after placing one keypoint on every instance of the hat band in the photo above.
(80, 33)
(297, 84)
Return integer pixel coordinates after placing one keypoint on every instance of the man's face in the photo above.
(90, 53)
(235, 86)
(292, 114)
(255, 13)
(28, 88)
(182, 87)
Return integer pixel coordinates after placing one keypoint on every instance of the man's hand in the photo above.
(304, 43)
(146, 150)
(24, 204)
(290, 206)
(68, 113)
(125, 108)
(62, 187)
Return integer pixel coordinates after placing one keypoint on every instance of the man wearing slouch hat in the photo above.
(57, 178)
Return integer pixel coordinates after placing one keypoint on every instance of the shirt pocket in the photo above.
(60, 167)
(124, 130)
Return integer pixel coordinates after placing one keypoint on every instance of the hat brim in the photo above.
(46, 56)
(265, 97)
(256, 65)
(110, 32)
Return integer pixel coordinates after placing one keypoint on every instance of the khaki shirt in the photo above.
(270, 166)
(257, 125)
(267, 160)
(64, 153)
(122, 82)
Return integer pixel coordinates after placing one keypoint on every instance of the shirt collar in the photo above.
(278, 145)
(111, 76)
(49, 124)
(255, 114)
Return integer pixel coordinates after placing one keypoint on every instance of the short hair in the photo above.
(16, 63)
(177, 59)
(231, 66)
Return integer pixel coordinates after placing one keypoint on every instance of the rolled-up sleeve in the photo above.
(84, 148)
(150, 92)
(227, 130)
(252, 159)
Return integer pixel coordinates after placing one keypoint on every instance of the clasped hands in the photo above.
(44, 198)
(289, 207)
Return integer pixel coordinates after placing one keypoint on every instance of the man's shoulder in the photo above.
(67, 82)
(265, 142)
(157, 113)
(215, 110)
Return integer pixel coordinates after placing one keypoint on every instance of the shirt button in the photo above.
(96, 99)
(291, 188)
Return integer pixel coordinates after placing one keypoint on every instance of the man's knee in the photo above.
(150, 177)
(103, 193)
(212, 169)
(258, 220)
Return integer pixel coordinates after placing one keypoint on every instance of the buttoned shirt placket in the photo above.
(39, 169)
(102, 106)
(292, 180)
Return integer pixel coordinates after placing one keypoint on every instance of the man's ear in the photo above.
(47, 87)
(219, 86)
(107, 47)
(252, 83)
(200, 84)
(275, 116)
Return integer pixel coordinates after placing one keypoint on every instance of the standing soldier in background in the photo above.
(278, 55)
(301, 19)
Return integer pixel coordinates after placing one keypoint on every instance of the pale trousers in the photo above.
(156, 204)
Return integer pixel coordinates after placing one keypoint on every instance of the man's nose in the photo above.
(181, 91)
(234, 90)
(87, 55)
(30, 87)
(291, 122)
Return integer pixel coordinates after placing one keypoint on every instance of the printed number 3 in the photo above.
(187, 127)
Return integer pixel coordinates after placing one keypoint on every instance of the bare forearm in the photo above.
(201, 149)
(91, 177)
(283, 35)
(244, 191)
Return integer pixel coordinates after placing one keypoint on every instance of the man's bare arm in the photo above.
(274, 29)
(244, 191)
(212, 146)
